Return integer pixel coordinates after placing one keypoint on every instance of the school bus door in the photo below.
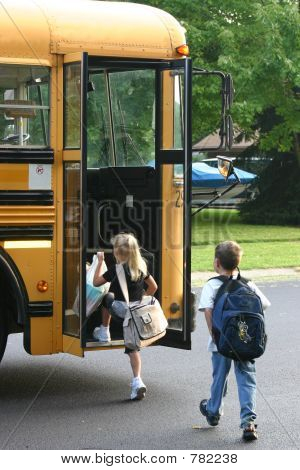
(134, 193)
(173, 173)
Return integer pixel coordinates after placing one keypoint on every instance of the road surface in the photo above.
(63, 402)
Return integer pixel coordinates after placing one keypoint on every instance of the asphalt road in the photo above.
(63, 402)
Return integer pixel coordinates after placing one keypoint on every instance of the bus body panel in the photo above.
(14, 177)
(100, 28)
(41, 336)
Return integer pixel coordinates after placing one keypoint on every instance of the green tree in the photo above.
(259, 44)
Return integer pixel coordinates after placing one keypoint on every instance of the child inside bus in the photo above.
(127, 252)
(227, 258)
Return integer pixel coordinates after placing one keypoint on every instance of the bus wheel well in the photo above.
(3, 335)
(9, 307)
(13, 295)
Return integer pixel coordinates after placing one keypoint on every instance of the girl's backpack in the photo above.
(144, 322)
(238, 323)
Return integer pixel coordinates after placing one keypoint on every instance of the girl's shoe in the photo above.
(138, 389)
(249, 432)
(102, 334)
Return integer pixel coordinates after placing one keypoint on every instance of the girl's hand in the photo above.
(100, 256)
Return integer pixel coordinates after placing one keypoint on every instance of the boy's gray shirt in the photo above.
(208, 296)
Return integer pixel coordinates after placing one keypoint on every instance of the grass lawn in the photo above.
(265, 246)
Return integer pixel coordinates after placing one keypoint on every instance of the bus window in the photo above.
(99, 153)
(178, 112)
(133, 112)
(72, 249)
(24, 106)
(72, 96)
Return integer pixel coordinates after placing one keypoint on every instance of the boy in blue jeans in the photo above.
(227, 258)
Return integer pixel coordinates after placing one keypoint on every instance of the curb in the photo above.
(199, 278)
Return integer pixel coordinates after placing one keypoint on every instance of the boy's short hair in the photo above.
(229, 254)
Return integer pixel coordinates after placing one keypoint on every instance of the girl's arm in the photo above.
(151, 286)
(99, 280)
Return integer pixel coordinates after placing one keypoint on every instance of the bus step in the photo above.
(111, 344)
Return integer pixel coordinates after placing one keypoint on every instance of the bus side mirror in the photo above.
(212, 99)
(225, 166)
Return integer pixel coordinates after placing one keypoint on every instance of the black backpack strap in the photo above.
(228, 284)
(241, 278)
(225, 281)
(226, 278)
(231, 286)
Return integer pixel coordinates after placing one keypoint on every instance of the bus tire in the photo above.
(3, 334)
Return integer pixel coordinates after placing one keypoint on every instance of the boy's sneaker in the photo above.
(102, 334)
(212, 420)
(138, 389)
(250, 433)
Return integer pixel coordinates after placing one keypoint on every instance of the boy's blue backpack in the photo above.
(238, 323)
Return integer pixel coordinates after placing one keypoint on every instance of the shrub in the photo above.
(278, 201)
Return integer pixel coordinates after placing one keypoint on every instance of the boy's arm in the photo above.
(206, 304)
(265, 302)
(208, 317)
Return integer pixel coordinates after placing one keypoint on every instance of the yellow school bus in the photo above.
(95, 138)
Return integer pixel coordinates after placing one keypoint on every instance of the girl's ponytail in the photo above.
(136, 263)
(127, 246)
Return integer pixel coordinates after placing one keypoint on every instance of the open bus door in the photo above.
(125, 190)
(174, 161)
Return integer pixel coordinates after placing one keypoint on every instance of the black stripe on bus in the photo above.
(37, 232)
(26, 198)
(40, 309)
(27, 156)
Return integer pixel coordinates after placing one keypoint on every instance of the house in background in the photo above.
(212, 141)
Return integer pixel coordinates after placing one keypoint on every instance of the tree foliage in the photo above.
(259, 44)
(278, 201)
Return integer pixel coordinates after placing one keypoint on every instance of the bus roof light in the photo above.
(183, 50)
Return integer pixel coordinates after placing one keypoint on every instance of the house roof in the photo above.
(213, 141)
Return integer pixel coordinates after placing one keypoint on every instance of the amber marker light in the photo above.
(42, 286)
(183, 50)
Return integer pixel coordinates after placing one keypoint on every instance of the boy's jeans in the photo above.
(246, 383)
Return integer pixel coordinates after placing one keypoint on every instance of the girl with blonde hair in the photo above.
(127, 252)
